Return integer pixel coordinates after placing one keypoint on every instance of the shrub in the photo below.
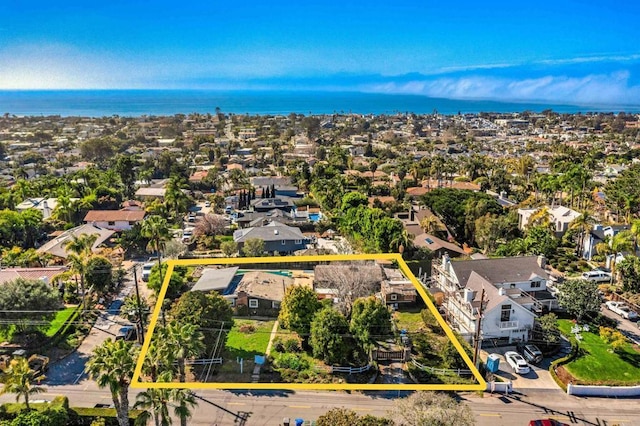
(247, 328)
(292, 345)
(292, 361)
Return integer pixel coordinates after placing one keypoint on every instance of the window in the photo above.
(512, 285)
(298, 241)
(393, 296)
(253, 303)
(505, 313)
(111, 223)
(275, 304)
(536, 284)
(284, 242)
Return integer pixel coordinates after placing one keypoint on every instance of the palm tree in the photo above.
(186, 341)
(402, 241)
(155, 404)
(635, 231)
(430, 224)
(583, 224)
(157, 230)
(185, 402)
(112, 364)
(80, 247)
(18, 378)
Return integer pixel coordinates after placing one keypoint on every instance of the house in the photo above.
(514, 293)
(276, 236)
(438, 246)
(261, 292)
(56, 246)
(116, 220)
(598, 235)
(45, 274)
(150, 193)
(266, 204)
(396, 289)
(45, 205)
(559, 216)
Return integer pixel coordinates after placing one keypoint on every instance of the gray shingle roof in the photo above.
(499, 270)
(215, 279)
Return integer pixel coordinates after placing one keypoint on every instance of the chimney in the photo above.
(412, 214)
(501, 291)
(468, 295)
(542, 261)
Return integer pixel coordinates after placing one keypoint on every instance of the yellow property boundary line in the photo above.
(171, 264)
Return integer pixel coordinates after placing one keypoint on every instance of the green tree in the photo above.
(154, 404)
(184, 402)
(176, 281)
(546, 331)
(99, 274)
(210, 311)
(20, 380)
(186, 342)
(111, 365)
(80, 247)
(629, 272)
(298, 307)
(579, 297)
(253, 247)
(353, 199)
(433, 409)
(125, 166)
(156, 229)
(25, 301)
(370, 319)
(229, 248)
(329, 337)
(49, 417)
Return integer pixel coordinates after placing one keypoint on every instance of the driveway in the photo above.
(70, 369)
(539, 376)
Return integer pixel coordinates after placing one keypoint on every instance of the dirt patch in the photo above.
(564, 376)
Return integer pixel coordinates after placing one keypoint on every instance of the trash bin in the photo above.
(299, 422)
(286, 422)
(493, 363)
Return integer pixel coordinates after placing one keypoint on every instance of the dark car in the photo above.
(531, 353)
(114, 307)
(126, 333)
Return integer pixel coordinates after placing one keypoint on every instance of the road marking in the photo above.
(299, 406)
(362, 408)
(236, 403)
(490, 415)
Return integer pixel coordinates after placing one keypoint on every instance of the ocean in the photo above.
(104, 103)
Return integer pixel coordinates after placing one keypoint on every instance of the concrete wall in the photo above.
(581, 390)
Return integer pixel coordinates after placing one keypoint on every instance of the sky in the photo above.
(566, 51)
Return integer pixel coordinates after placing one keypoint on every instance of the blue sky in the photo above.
(562, 51)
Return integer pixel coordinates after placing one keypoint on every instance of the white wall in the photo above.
(581, 390)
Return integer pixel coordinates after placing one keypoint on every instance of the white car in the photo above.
(517, 362)
(622, 309)
(597, 276)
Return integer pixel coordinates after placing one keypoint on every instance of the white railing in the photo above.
(351, 370)
(442, 371)
(202, 361)
(507, 324)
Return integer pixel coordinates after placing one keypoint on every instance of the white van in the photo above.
(597, 276)
(146, 271)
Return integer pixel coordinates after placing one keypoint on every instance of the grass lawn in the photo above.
(61, 317)
(245, 345)
(599, 365)
(410, 321)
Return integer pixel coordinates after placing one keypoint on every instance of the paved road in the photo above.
(269, 408)
(628, 328)
(70, 370)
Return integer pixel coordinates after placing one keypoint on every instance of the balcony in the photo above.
(506, 325)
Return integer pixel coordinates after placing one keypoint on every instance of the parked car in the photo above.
(517, 362)
(146, 270)
(546, 422)
(207, 203)
(597, 276)
(622, 309)
(531, 353)
(127, 332)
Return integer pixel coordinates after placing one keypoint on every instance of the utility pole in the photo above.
(476, 340)
(138, 302)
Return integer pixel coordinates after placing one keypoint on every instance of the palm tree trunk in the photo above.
(183, 417)
(26, 400)
(122, 409)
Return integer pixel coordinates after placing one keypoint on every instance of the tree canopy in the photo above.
(579, 297)
(297, 309)
(30, 300)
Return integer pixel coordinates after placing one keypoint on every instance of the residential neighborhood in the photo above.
(517, 227)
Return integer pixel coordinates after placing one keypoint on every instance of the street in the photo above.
(269, 408)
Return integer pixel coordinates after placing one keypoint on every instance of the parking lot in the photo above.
(537, 378)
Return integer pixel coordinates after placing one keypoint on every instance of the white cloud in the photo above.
(593, 89)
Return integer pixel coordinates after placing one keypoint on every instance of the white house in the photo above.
(514, 292)
(560, 216)
(116, 220)
(598, 235)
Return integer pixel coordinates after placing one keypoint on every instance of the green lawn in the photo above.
(61, 317)
(245, 345)
(600, 365)
(410, 321)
